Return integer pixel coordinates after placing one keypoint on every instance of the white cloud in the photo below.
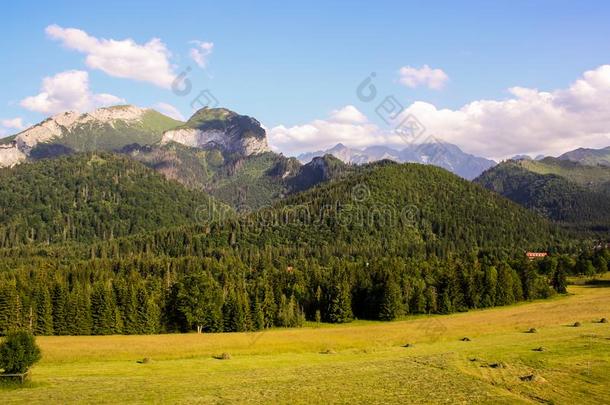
(348, 115)
(531, 121)
(127, 59)
(424, 76)
(13, 123)
(201, 52)
(346, 125)
(170, 111)
(67, 91)
(528, 121)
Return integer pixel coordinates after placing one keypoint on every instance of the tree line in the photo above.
(150, 294)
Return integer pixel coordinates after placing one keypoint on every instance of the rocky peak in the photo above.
(58, 124)
(223, 128)
(55, 128)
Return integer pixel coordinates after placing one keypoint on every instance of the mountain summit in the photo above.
(104, 129)
(588, 156)
(223, 128)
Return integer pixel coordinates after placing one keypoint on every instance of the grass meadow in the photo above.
(354, 363)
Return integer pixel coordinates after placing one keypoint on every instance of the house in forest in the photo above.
(536, 255)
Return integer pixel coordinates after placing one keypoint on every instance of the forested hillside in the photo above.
(83, 198)
(383, 209)
(379, 242)
(566, 192)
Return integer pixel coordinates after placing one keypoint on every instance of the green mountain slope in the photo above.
(380, 210)
(596, 178)
(247, 183)
(87, 197)
(98, 135)
(244, 182)
(563, 191)
(104, 129)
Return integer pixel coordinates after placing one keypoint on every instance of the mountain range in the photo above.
(226, 156)
(445, 155)
(237, 136)
(110, 222)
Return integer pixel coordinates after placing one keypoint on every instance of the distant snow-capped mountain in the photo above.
(445, 155)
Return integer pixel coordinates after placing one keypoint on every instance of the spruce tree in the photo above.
(504, 286)
(139, 318)
(269, 307)
(153, 317)
(59, 299)
(258, 315)
(431, 299)
(340, 310)
(391, 301)
(102, 310)
(78, 312)
(10, 308)
(44, 311)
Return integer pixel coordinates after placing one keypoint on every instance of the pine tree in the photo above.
(284, 315)
(153, 317)
(269, 307)
(340, 310)
(139, 318)
(59, 299)
(127, 302)
(78, 312)
(431, 299)
(504, 286)
(490, 286)
(445, 305)
(559, 281)
(258, 315)
(102, 310)
(10, 308)
(44, 311)
(391, 301)
(236, 312)
(418, 299)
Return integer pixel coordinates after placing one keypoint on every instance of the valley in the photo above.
(365, 361)
(304, 203)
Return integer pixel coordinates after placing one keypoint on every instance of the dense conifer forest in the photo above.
(384, 241)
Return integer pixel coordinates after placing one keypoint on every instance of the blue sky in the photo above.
(292, 65)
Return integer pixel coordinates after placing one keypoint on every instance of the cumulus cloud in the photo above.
(13, 123)
(348, 115)
(68, 91)
(425, 76)
(125, 58)
(201, 52)
(170, 111)
(347, 125)
(528, 121)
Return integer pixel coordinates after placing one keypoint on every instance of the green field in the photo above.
(354, 363)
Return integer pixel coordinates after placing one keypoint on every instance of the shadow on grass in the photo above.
(596, 283)
(16, 385)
